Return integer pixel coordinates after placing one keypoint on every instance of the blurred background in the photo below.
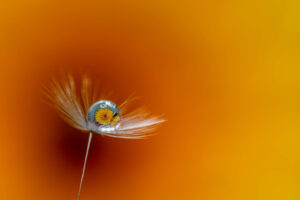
(224, 73)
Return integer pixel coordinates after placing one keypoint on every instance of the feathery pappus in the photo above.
(84, 110)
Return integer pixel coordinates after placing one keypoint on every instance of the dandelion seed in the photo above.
(86, 112)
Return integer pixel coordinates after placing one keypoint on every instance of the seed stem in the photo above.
(86, 156)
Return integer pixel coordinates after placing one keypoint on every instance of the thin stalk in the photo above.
(86, 156)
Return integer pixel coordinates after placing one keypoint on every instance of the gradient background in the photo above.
(224, 73)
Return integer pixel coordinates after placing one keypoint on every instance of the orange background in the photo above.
(224, 73)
